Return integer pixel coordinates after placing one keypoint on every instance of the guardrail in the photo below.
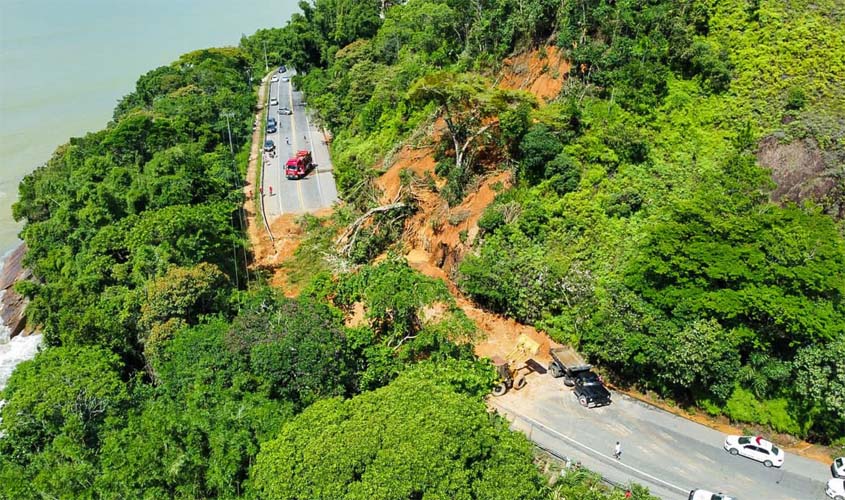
(571, 464)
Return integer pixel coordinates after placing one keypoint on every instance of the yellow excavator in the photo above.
(510, 367)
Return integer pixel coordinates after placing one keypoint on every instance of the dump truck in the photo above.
(588, 387)
(298, 167)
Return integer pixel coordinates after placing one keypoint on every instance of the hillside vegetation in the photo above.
(676, 212)
(637, 224)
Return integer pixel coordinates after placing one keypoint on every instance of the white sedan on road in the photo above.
(837, 468)
(708, 495)
(275, 78)
(274, 101)
(755, 448)
(836, 489)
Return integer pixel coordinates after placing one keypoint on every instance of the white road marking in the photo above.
(293, 143)
(313, 157)
(591, 450)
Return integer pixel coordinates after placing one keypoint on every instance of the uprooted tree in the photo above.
(470, 106)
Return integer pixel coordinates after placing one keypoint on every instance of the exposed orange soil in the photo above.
(433, 236)
(540, 72)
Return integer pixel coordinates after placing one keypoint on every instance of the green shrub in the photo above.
(795, 98)
(491, 219)
(743, 406)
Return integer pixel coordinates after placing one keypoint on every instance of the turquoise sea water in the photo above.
(65, 63)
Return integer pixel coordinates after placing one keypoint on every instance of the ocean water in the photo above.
(65, 63)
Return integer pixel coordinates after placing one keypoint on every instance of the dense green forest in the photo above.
(641, 227)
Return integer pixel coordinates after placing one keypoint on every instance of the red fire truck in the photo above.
(297, 168)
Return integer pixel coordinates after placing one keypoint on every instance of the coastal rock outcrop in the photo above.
(12, 304)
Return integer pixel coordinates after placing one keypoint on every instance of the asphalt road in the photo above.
(667, 453)
(318, 189)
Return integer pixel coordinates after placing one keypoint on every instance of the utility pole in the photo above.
(266, 66)
(229, 114)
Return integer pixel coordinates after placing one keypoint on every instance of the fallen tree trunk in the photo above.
(347, 239)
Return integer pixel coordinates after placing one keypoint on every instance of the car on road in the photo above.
(274, 101)
(589, 389)
(282, 68)
(836, 489)
(708, 495)
(285, 111)
(755, 448)
(285, 79)
(275, 78)
(700, 494)
(269, 145)
(837, 468)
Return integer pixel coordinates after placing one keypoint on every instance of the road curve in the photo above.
(667, 453)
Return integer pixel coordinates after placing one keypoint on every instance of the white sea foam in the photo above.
(14, 352)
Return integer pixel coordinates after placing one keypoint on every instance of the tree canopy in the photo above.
(415, 438)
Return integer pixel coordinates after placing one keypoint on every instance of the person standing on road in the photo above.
(271, 194)
(617, 451)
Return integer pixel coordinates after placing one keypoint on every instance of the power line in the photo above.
(236, 181)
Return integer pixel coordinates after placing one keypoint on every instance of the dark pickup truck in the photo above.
(577, 374)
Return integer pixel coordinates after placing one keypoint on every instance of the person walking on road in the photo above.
(617, 451)
(271, 194)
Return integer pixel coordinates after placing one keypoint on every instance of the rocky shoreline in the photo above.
(12, 304)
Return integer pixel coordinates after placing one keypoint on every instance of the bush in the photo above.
(743, 406)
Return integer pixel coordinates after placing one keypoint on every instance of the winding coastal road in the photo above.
(667, 453)
(318, 189)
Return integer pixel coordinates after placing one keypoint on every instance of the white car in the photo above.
(708, 495)
(755, 448)
(285, 79)
(836, 489)
(275, 78)
(274, 101)
(285, 111)
(837, 468)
